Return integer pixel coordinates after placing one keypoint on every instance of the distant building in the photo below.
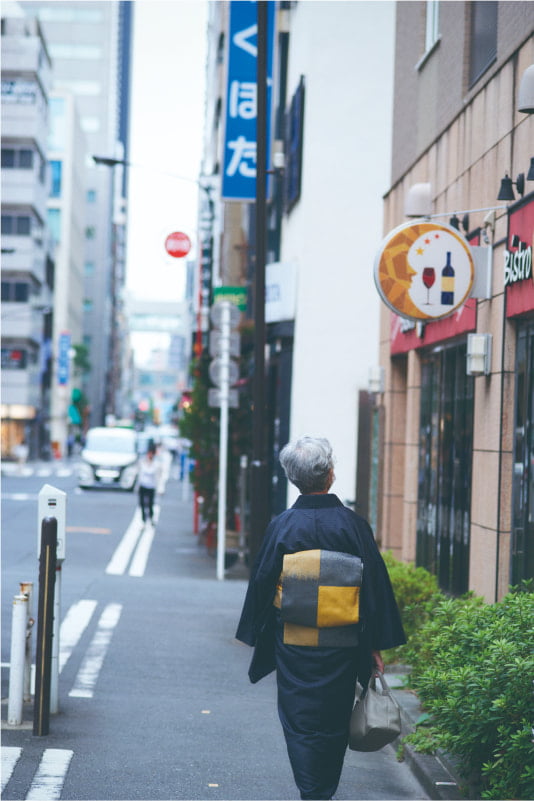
(27, 261)
(90, 44)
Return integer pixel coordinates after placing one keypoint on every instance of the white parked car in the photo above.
(109, 459)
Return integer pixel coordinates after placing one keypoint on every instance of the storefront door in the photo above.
(523, 480)
(444, 490)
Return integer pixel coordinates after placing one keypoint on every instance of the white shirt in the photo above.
(149, 472)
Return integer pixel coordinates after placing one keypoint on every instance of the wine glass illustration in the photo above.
(429, 278)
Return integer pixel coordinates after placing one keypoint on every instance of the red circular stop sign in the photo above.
(177, 244)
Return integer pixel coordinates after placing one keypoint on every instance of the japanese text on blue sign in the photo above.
(239, 178)
(63, 358)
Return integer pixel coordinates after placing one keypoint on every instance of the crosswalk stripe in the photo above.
(94, 658)
(50, 777)
(10, 757)
(74, 624)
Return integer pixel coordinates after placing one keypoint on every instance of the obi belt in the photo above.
(318, 595)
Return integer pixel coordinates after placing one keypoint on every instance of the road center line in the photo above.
(138, 566)
(94, 658)
(121, 557)
(74, 624)
(50, 776)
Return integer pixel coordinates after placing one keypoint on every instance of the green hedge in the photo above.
(473, 669)
(417, 593)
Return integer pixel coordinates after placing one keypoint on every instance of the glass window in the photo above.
(6, 291)
(294, 133)
(7, 224)
(56, 132)
(21, 291)
(56, 169)
(8, 157)
(432, 24)
(23, 226)
(25, 159)
(89, 268)
(483, 38)
(87, 305)
(445, 459)
(54, 224)
(91, 196)
(90, 232)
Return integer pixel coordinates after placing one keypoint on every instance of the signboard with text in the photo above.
(63, 358)
(239, 175)
(518, 270)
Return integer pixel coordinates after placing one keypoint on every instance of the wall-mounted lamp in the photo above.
(376, 379)
(478, 354)
(455, 222)
(506, 191)
(525, 95)
(418, 201)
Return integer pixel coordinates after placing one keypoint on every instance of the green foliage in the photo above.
(417, 593)
(473, 669)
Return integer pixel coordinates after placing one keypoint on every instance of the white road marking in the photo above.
(138, 566)
(50, 777)
(94, 658)
(18, 496)
(10, 757)
(121, 557)
(74, 624)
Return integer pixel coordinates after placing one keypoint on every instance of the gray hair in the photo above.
(307, 463)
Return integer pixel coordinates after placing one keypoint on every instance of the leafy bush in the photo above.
(417, 593)
(473, 668)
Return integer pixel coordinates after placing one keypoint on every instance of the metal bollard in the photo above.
(45, 621)
(16, 670)
(26, 588)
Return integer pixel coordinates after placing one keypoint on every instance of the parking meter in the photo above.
(52, 502)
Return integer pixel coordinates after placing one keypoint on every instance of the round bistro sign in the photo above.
(424, 270)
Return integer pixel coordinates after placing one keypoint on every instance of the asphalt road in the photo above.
(154, 697)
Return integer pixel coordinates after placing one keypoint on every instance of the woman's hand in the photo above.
(377, 659)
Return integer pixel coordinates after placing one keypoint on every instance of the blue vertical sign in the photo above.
(239, 177)
(63, 358)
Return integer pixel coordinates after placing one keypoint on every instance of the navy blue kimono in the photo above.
(316, 684)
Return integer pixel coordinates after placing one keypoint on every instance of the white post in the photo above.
(223, 437)
(16, 668)
(26, 588)
(54, 661)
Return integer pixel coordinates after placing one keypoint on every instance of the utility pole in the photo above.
(259, 495)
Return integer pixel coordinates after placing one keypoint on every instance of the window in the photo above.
(91, 196)
(6, 286)
(432, 24)
(87, 305)
(7, 224)
(21, 159)
(26, 159)
(445, 457)
(8, 157)
(294, 136)
(23, 226)
(54, 224)
(15, 291)
(55, 188)
(483, 38)
(90, 232)
(89, 268)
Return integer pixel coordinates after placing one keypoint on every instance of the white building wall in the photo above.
(344, 50)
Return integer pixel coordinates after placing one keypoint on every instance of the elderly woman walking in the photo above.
(319, 609)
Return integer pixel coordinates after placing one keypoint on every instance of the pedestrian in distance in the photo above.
(149, 481)
(307, 571)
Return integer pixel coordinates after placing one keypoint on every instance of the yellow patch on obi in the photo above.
(337, 606)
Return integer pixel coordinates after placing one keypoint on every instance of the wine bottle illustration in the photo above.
(447, 283)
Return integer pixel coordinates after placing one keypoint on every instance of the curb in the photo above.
(433, 771)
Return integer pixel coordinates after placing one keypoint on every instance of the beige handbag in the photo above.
(375, 719)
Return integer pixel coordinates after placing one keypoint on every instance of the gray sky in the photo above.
(166, 137)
